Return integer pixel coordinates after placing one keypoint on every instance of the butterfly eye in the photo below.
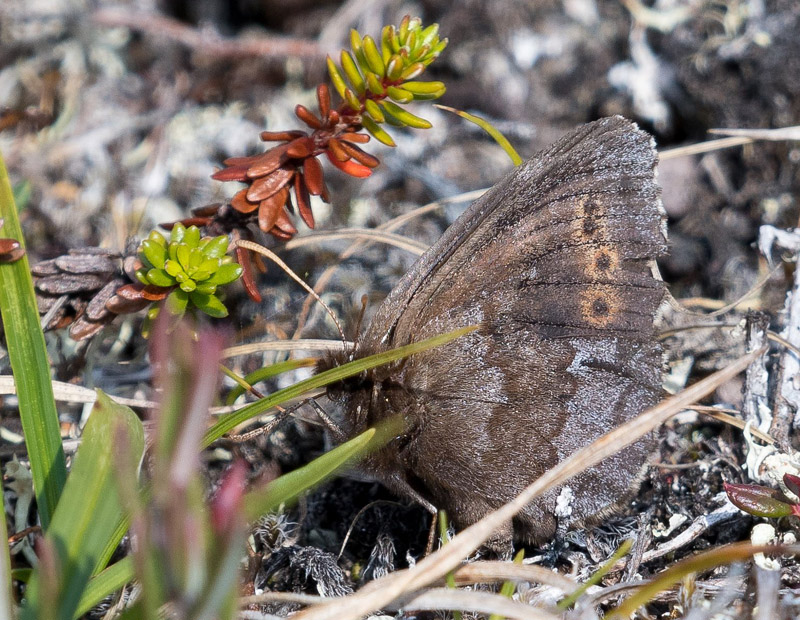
(10, 250)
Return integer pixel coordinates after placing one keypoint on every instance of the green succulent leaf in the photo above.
(389, 44)
(352, 100)
(374, 110)
(380, 134)
(374, 84)
(157, 237)
(399, 95)
(192, 237)
(216, 247)
(206, 288)
(173, 268)
(178, 231)
(210, 304)
(336, 78)
(177, 301)
(208, 266)
(196, 258)
(351, 70)
(187, 285)
(155, 253)
(404, 26)
(394, 68)
(436, 89)
(182, 254)
(430, 36)
(141, 275)
(225, 274)
(404, 116)
(355, 41)
(160, 278)
(391, 119)
(412, 71)
(373, 56)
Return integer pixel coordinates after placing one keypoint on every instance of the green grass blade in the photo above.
(286, 488)
(104, 583)
(232, 420)
(488, 128)
(6, 593)
(31, 368)
(267, 372)
(89, 510)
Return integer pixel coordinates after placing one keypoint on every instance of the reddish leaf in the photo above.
(757, 500)
(307, 116)
(333, 118)
(284, 225)
(792, 483)
(248, 280)
(233, 173)
(242, 204)
(359, 138)
(281, 136)
(129, 292)
(155, 293)
(258, 261)
(315, 180)
(336, 149)
(241, 161)
(268, 162)
(300, 148)
(303, 200)
(10, 250)
(271, 208)
(200, 222)
(207, 211)
(324, 100)
(119, 305)
(361, 156)
(267, 186)
(353, 168)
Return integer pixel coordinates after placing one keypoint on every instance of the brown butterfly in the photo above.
(555, 265)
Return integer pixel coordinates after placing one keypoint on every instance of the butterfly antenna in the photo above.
(336, 430)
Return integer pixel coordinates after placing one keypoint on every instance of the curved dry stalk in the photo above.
(287, 345)
(493, 571)
(379, 593)
(476, 602)
(260, 249)
(359, 234)
(718, 306)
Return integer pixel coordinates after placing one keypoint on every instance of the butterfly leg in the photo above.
(401, 486)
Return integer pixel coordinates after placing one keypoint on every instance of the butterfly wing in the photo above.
(555, 264)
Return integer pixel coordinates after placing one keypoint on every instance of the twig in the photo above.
(207, 40)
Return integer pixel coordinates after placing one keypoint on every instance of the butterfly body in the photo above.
(554, 264)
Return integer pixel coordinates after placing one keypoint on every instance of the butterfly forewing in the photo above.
(555, 264)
